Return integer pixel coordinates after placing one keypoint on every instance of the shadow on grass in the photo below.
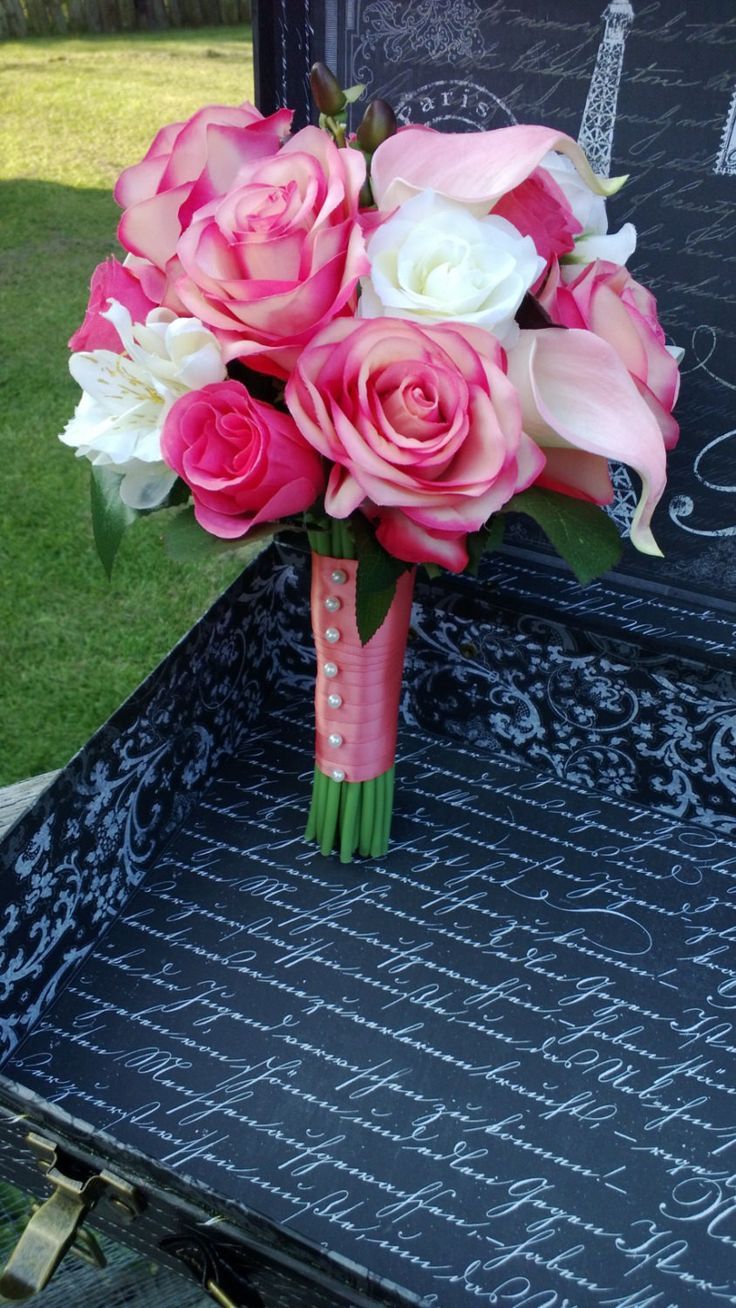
(52, 239)
(72, 646)
(36, 210)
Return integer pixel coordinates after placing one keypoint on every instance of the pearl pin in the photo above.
(334, 701)
(337, 774)
(338, 576)
(332, 635)
(332, 604)
(330, 669)
(334, 740)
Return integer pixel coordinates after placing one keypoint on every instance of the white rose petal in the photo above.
(433, 261)
(590, 211)
(126, 398)
(588, 208)
(617, 247)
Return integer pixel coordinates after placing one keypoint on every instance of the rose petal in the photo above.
(407, 540)
(110, 281)
(152, 228)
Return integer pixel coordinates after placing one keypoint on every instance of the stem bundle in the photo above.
(351, 816)
(347, 816)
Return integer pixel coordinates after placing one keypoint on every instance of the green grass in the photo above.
(72, 645)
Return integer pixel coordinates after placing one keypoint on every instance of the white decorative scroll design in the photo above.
(433, 30)
(703, 347)
(599, 114)
(626, 498)
(682, 506)
(726, 161)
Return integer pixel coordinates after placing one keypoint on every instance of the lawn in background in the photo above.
(72, 645)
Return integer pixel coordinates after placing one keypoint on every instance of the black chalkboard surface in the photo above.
(649, 89)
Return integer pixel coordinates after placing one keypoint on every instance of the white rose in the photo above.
(119, 418)
(590, 211)
(433, 261)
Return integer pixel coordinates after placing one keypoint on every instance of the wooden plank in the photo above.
(14, 800)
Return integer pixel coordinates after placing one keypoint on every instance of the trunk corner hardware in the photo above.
(55, 1226)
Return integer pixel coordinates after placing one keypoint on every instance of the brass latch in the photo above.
(55, 1226)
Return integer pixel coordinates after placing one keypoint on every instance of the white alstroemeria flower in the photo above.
(433, 261)
(595, 241)
(119, 418)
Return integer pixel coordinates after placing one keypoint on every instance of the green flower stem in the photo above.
(379, 819)
(331, 810)
(347, 816)
(367, 816)
(350, 820)
(390, 784)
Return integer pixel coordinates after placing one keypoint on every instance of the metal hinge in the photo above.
(55, 1226)
(224, 1271)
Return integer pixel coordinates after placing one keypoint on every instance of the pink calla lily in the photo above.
(577, 394)
(475, 168)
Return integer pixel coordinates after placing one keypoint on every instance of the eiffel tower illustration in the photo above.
(599, 114)
(726, 161)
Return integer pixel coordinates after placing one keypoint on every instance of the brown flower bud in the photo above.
(327, 92)
(379, 122)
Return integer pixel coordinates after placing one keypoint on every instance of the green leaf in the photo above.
(353, 93)
(179, 494)
(374, 595)
(582, 533)
(495, 528)
(378, 573)
(482, 542)
(110, 517)
(186, 542)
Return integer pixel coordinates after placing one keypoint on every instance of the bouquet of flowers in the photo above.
(389, 341)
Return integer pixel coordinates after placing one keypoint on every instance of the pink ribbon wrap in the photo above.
(368, 678)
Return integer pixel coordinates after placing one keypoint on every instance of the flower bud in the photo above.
(327, 92)
(365, 199)
(379, 122)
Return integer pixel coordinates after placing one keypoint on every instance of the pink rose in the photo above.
(604, 298)
(279, 256)
(537, 207)
(244, 462)
(110, 281)
(188, 165)
(422, 425)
